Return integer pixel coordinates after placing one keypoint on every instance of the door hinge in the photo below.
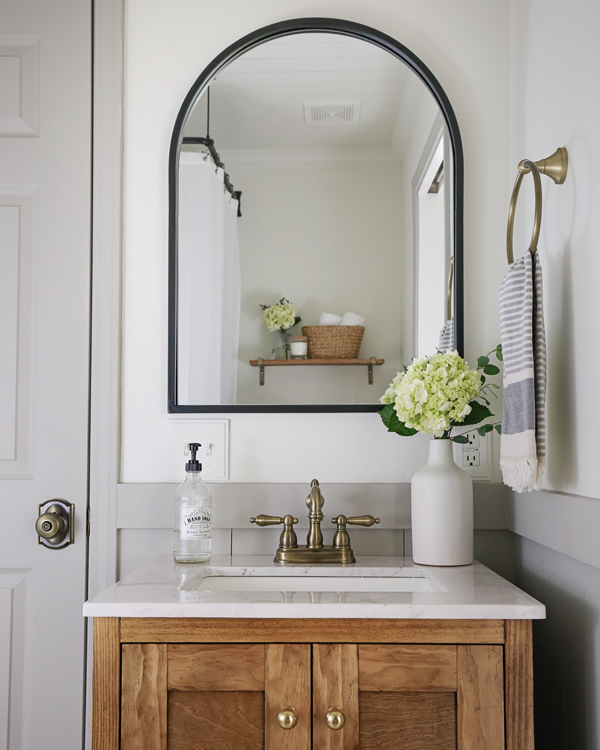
(87, 521)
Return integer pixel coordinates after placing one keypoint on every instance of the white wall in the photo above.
(466, 45)
(326, 235)
(556, 102)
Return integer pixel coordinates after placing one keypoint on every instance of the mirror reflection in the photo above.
(314, 226)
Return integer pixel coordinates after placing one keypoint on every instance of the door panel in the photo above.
(208, 696)
(415, 668)
(480, 697)
(45, 175)
(411, 721)
(206, 721)
(287, 683)
(335, 685)
(144, 696)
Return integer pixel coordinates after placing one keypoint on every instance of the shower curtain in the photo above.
(209, 285)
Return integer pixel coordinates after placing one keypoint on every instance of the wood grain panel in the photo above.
(408, 668)
(411, 721)
(480, 697)
(518, 656)
(335, 684)
(288, 683)
(216, 667)
(215, 721)
(106, 684)
(144, 697)
(254, 630)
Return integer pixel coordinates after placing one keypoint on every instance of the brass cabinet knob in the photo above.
(50, 525)
(335, 718)
(287, 718)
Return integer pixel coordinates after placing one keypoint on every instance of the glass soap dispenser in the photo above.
(193, 515)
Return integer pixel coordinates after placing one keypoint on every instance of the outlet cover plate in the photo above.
(213, 436)
(481, 472)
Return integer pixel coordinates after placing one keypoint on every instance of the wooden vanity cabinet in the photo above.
(219, 684)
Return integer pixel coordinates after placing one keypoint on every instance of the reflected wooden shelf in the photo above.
(262, 363)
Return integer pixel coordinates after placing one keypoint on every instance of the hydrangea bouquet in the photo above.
(281, 316)
(437, 393)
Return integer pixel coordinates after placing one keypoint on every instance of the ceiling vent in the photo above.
(316, 113)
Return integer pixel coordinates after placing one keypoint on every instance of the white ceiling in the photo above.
(257, 102)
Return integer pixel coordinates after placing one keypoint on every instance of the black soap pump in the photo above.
(192, 532)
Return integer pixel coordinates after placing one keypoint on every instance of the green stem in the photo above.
(474, 429)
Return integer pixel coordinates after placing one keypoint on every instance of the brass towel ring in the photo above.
(555, 167)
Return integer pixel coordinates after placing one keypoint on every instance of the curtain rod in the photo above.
(214, 154)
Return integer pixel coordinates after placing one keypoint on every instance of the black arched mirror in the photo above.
(315, 173)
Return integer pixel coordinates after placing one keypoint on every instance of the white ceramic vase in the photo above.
(442, 510)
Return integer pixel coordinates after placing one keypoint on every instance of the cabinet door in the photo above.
(417, 697)
(204, 697)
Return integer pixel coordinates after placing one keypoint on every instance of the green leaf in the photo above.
(491, 370)
(482, 379)
(482, 362)
(460, 439)
(484, 429)
(479, 413)
(499, 429)
(390, 420)
(499, 354)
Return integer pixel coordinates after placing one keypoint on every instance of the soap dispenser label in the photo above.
(195, 523)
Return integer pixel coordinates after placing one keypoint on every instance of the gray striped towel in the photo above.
(446, 340)
(523, 443)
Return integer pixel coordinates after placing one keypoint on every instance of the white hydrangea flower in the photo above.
(434, 392)
(280, 317)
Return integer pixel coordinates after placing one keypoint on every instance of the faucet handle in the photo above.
(288, 539)
(363, 520)
(263, 520)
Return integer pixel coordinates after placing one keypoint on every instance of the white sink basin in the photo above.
(315, 583)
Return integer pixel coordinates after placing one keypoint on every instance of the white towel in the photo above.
(352, 319)
(329, 319)
(446, 340)
(523, 443)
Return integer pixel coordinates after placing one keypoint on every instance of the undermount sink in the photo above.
(317, 583)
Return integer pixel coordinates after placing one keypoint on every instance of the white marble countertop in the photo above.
(164, 589)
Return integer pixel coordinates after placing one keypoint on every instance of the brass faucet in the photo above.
(314, 551)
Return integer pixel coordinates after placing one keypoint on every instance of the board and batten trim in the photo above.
(149, 505)
(560, 521)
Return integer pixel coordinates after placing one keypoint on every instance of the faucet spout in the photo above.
(314, 501)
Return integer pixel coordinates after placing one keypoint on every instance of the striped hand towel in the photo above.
(523, 443)
(446, 340)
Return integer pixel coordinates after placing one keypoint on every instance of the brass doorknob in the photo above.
(335, 718)
(55, 524)
(50, 525)
(287, 718)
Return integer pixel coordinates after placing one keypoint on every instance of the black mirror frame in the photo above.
(246, 43)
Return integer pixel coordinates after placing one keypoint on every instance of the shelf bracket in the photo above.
(373, 363)
(261, 372)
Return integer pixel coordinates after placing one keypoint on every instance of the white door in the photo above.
(45, 146)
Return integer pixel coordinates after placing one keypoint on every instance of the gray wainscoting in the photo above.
(145, 518)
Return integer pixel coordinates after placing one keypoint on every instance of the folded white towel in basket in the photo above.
(329, 319)
(352, 319)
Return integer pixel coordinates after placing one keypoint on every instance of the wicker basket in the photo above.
(333, 342)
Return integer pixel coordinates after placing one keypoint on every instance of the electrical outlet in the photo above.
(474, 456)
(470, 457)
(213, 436)
(473, 438)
